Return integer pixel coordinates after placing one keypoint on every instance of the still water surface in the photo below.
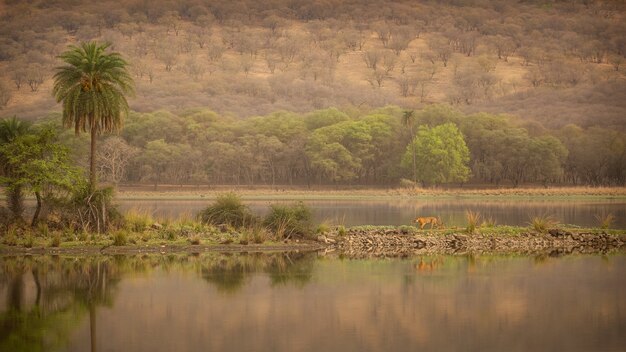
(306, 302)
(402, 211)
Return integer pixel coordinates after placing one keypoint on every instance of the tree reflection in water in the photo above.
(64, 290)
(46, 297)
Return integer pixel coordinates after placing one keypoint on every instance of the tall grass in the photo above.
(605, 220)
(289, 220)
(138, 219)
(227, 209)
(542, 223)
(473, 221)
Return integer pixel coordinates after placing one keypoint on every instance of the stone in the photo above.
(156, 226)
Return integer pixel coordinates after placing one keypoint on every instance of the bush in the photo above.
(56, 240)
(120, 238)
(543, 222)
(289, 220)
(228, 210)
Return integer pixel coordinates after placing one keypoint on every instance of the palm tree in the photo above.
(10, 129)
(92, 88)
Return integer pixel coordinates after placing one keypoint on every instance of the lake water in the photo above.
(402, 211)
(306, 302)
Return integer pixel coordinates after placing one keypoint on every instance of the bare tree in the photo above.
(372, 57)
(35, 76)
(441, 48)
(377, 77)
(113, 157)
(215, 51)
(194, 69)
(5, 95)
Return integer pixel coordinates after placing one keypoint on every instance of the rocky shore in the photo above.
(385, 242)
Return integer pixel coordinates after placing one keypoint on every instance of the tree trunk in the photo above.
(37, 210)
(15, 199)
(92, 161)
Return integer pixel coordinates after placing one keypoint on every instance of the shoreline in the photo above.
(369, 241)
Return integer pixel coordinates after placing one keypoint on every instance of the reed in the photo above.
(473, 221)
(605, 220)
(542, 223)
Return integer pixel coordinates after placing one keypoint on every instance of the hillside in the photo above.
(550, 61)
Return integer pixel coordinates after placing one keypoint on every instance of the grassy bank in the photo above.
(269, 193)
(196, 237)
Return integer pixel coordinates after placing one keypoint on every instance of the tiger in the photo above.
(433, 221)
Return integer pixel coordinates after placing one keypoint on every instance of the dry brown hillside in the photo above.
(551, 61)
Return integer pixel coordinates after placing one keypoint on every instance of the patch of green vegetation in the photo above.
(289, 220)
(229, 210)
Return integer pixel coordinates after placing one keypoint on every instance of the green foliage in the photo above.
(542, 223)
(341, 231)
(91, 210)
(322, 228)
(92, 86)
(605, 220)
(289, 220)
(440, 153)
(227, 209)
(34, 161)
(120, 238)
(56, 240)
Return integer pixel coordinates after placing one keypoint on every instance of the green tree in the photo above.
(10, 129)
(38, 163)
(441, 155)
(92, 87)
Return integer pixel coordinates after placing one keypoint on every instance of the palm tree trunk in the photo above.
(92, 161)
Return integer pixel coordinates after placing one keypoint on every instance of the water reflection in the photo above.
(299, 301)
(402, 211)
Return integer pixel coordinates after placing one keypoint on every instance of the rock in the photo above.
(156, 226)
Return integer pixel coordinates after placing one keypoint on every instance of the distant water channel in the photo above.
(401, 212)
(306, 302)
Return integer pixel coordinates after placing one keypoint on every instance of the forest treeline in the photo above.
(552, 61)
(386, 146)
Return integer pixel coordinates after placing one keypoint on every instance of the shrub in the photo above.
(289, 220)
(195, 239)
(29, 240)
(228, 210)
(120, 238)
(10, 238)
(92, 210)
(473, 221)
(488, 222)
(605, 220)
(322, 228)
(543, 222)
(341, 231)
(56, 240)
(259, 235)
(138, 220)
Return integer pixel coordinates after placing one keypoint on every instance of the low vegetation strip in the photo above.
(287, 193)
